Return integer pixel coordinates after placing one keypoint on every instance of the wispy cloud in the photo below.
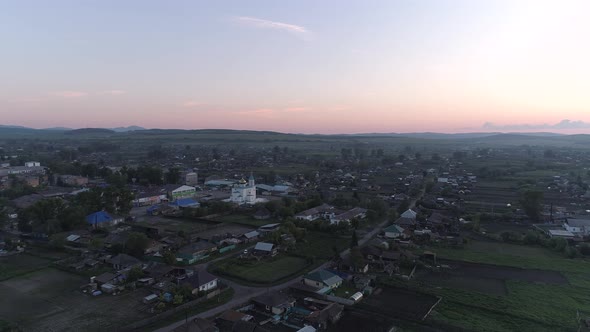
(297, 109)
(260, 112)
(563, 124)
(112, 92)
(266, 24)
(191, 103)
(69, 94)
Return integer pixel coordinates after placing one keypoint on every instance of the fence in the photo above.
(339, 300)
(171, 312)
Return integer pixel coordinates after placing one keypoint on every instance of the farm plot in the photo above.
(15, 265)
(261, 272)
(399, 302)
(486, 278)
(222, 230)
(454, 280)
(175, 224)
(355, 321)
(49, 300)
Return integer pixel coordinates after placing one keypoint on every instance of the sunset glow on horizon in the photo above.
(299, 67)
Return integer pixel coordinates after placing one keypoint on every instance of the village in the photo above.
(213, 239)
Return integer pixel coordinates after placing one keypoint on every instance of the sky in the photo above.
(317, 66)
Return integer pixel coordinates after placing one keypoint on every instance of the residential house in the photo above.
(106, 278)
(195, 251)
(394, 232)
(326, 315)
(243, 326)
(578, 226)
(409, 214)
(323, 211)
(265, 249)
(149, 196)
(73, 180)
(103, 219)
(197, 325)
(322, 279)
(346, 263)
(250, 236)
(269, 228)
(275, 303)
(124, 261)
(201, 281)
(158, 271)
(357, 212)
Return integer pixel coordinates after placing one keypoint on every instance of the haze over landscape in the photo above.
(298, 67)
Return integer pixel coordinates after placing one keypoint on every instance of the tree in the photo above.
(357, 258)
(531, 203)
(585, 249)
(95, 244)
(571, 252)
(169, 258)
(134, 274)
(354, 223)
(531, 237)
(173, 175)
(136, 244)
(354, 242)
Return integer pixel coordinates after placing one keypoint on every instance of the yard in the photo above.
(345, 290)
(265, 271)
(400, 302)
(50, 300)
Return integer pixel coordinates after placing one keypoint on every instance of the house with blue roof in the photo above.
(184, 203)
(103, 219)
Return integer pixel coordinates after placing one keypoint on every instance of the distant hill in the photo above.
(90, 131)
(126, 129)
(13, 127)
(431, 135)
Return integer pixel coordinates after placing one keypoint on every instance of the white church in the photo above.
(244, 192)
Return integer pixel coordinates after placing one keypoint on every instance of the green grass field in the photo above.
(265, 271)
(320, 245)
(13, 266)
(515, 255)
(527, 306)
(244, 220)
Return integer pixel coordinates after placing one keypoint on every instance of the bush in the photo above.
(531, 237)
(560, 244)
(571, 252)
(585, 249)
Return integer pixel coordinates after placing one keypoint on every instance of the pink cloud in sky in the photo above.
(191, 103)
(112, 92)
(69, 94)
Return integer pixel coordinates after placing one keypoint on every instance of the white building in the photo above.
(244, 192)
(191, 179)
(578, 226)
(32, 164)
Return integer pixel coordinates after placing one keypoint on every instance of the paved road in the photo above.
(243, 294)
